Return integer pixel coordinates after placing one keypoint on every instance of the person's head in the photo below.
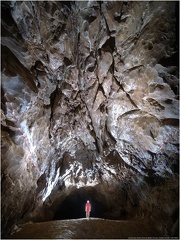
(87, 201)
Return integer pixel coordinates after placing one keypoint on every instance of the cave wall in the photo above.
(90, 101)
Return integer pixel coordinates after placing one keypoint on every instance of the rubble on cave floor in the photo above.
(85, 229)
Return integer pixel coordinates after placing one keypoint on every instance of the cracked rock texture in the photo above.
(90, 110)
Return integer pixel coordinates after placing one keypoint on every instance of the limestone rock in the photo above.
(90, 110)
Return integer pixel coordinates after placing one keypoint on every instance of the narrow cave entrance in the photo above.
(73, 206)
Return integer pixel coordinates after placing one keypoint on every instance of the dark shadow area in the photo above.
(170, 61)
(74, 205)
(13, 67)
(174, 59)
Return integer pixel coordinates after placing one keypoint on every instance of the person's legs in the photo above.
(87, 214)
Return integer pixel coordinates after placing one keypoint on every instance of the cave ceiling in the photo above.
(89, 101)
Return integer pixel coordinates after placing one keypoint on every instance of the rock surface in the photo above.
(87, 229)
(90, 110)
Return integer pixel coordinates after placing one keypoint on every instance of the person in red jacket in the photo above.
(88, 209)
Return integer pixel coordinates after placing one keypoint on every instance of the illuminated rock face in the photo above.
(89, 110)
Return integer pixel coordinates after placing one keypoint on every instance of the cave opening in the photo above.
(73, 206)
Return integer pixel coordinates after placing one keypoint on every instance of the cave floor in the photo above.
(82, 228)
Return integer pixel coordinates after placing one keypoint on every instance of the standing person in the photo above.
(88, 209)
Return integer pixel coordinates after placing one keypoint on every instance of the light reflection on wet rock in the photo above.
(90, 110)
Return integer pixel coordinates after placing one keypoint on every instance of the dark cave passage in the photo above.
(73, 206)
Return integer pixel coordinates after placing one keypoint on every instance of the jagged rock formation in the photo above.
(90, 110)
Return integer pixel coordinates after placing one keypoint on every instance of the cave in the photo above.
(74, 205)
(90, 111)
